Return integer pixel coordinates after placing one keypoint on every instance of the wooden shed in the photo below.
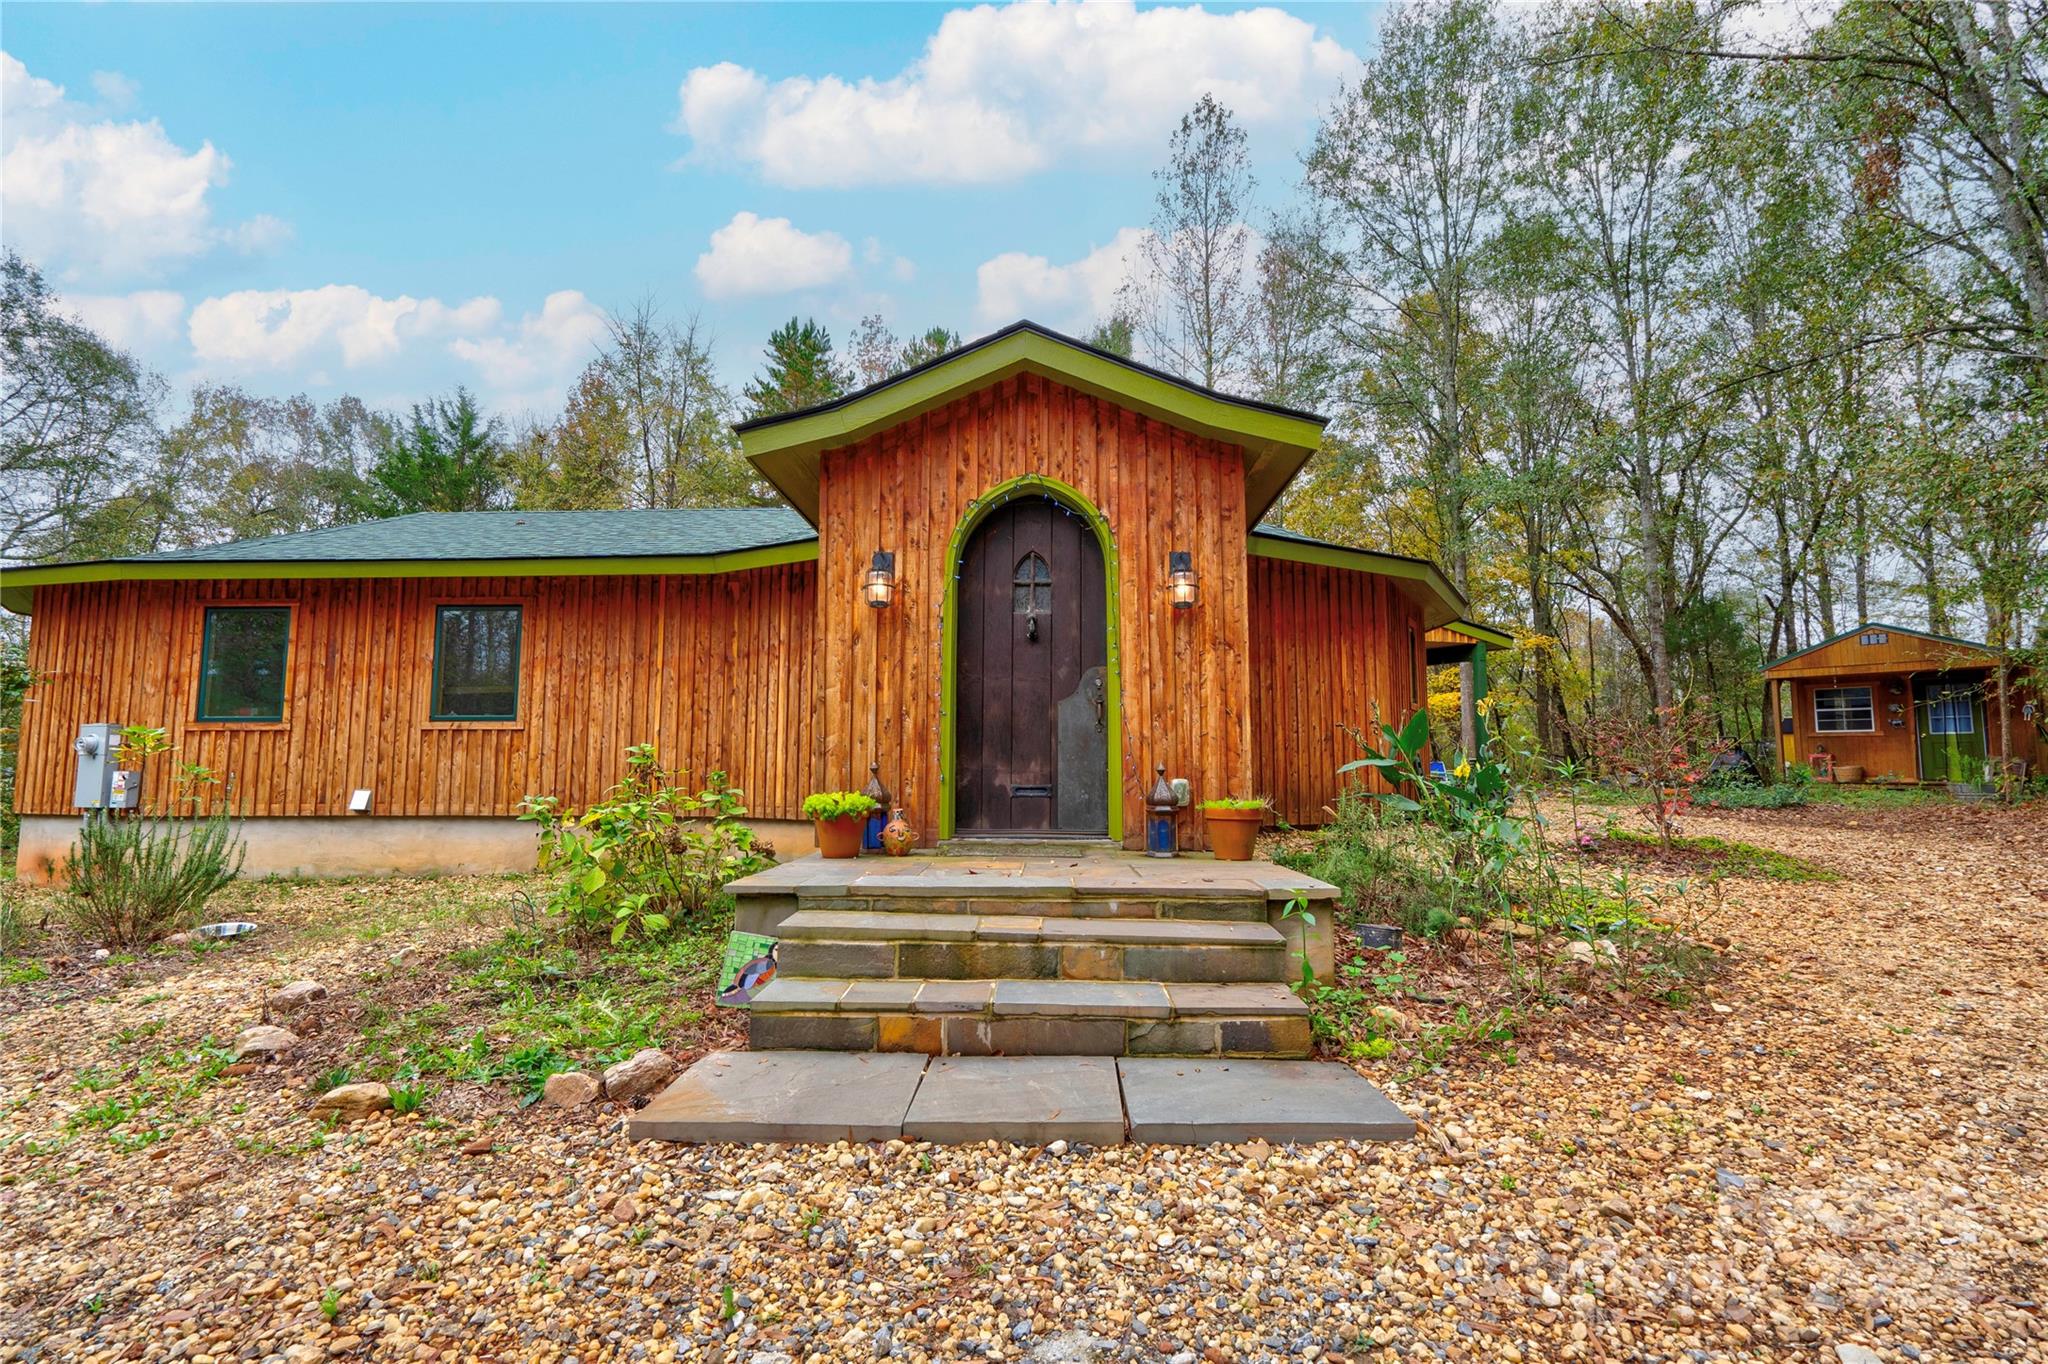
(1902, 705)
(1014, 579)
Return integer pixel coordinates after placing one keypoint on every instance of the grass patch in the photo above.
(547, 1007)
(1730, 858)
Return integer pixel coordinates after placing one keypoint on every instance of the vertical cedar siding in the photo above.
(1185, 674)
(714, 670)
(1332, 650)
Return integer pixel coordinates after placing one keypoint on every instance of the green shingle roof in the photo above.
(514, 535)
(438, 544)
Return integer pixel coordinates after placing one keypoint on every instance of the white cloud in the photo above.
(85, 193)
(143, 318)
(545, 349)
(276, 328)
(1000, 92)
(1072, 297)
(114, 89)
(756, 255)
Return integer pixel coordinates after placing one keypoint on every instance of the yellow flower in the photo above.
(1463, 770)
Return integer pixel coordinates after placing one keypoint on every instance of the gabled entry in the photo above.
(1032, 713)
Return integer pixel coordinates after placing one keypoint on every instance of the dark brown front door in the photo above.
(1031, 737)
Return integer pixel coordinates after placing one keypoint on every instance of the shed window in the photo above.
(1951, 713)
(241, 663)
(476, 663)
(1843, 710)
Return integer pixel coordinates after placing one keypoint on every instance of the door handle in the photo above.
(1096, 692)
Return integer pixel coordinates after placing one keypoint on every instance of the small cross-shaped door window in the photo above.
(1031, 587)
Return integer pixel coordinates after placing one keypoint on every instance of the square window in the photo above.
(476, 663)
(1843, 710)
(241, 663)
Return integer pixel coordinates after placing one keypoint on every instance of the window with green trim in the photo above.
(241, 663)
(476, 663)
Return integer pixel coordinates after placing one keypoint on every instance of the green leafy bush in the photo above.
(136, 879)
(649, 855)
(837, 805)
(1236, 803)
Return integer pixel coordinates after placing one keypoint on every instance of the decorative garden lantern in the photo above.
(1160, 807)
(878, 818)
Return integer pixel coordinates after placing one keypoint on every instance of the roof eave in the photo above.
(1869, 625)
(17, 588)
(788, 449)
(1418, 579)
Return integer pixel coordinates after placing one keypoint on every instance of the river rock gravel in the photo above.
(1838, 1156)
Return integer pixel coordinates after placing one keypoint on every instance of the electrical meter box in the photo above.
(99, 753)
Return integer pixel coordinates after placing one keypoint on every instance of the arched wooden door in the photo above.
(1032, 651)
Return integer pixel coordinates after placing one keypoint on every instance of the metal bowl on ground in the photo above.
(233, 928)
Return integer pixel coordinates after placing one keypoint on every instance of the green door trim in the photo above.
(979, 510)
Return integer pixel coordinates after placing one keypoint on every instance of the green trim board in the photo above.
(949, 642)
(1485, 634)
(17, 585)
(1869, 625)
(1442, 604)
(788, 448)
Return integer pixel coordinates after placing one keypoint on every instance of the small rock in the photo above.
(352, 1103)
(265, 1041)
(625, 1210)
(1619, 1208)
(297, 996)
(1851, 1353)
(480, 1146)
(571, 1089)
(643, 1072)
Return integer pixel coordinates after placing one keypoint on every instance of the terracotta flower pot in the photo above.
(1233, 832)
(840, 837)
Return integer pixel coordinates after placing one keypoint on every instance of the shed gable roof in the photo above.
(1841, 652)
(787, 448)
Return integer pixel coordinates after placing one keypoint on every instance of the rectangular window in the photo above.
(1843, 710)
(1951, 713)
(1874, 637)
(476, 663)
(241, 663)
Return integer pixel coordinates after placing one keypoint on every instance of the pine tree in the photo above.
(801, 371)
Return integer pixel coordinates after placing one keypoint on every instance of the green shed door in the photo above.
(1950, 718)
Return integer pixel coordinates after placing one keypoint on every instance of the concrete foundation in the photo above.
(365, 845)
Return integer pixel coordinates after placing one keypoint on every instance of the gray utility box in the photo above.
(101, 783)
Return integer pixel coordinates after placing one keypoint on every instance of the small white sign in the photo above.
(359, 803)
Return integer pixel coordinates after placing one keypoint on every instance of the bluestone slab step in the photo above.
(827, 1097)
(1194, 1102)
(1033, 1100)
(821, 1096)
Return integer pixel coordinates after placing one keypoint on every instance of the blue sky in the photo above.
(389, 200)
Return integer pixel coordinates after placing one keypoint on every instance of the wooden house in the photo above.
(1902, 705)
(1015, 580)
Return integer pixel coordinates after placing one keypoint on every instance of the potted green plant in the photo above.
(1234, 826)
(839, 817)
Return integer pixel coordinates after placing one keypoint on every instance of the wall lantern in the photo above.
(1180, 579)
(879, 586)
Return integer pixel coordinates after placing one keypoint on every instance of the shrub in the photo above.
(650, 854)
(1662, 756)
(837, 805)
(1236, 803)
(133, 880)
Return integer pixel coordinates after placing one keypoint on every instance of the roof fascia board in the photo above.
(17, 586)
(1443, 604)
(787, 451)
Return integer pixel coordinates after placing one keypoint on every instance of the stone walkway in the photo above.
(803, 1096)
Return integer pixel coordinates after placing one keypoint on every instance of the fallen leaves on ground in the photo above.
(1843, 1150)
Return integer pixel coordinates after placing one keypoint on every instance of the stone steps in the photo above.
(1010, 1017)
(918, 945)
